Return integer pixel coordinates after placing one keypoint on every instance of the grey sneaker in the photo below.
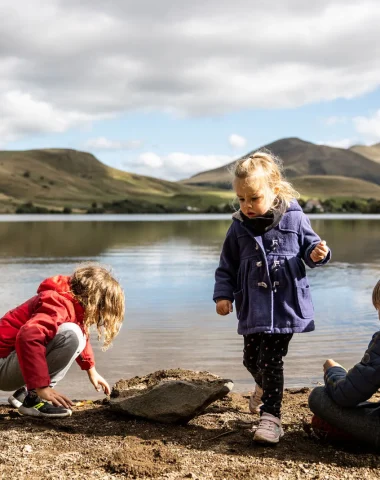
(18, 397)
(269, 429)
(255, 400)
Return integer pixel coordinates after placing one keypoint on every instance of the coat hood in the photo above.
(61, 285)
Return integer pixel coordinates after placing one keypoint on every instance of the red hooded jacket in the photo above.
(31, 326)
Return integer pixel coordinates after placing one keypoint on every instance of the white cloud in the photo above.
(150, 159)
(196, 58)
(21, 114)
(236, 141)
(369, 127)
(102, 143)
(176, 165)
(340, 143)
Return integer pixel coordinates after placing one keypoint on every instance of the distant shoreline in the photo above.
(169, 217)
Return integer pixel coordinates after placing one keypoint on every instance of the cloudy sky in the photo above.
(170, 87)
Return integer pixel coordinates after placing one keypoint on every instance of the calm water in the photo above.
(166, 266)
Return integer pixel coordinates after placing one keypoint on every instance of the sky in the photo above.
(170, 88)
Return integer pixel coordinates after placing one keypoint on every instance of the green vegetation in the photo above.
(69, 181)
(30, 208)
(347, 205)
(39, 181)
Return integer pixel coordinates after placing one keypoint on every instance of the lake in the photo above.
(166, 265)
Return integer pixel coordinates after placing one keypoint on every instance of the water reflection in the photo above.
(167, 271)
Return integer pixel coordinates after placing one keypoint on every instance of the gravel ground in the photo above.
(95, 443)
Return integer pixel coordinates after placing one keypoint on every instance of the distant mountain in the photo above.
(55, 178)
(308, 164)
(372, 152)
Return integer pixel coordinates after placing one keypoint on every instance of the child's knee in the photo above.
(316, 399)
(73, 335)
(251, 366)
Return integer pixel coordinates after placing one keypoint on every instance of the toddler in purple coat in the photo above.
(262, 270)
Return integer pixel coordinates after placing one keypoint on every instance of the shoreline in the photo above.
(96, 443)
(159, 217)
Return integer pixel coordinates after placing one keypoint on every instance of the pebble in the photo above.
(27, 449)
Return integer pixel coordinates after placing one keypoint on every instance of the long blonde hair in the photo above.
(102, 298)
(264, 165)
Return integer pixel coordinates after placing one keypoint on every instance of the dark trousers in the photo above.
(362, 422)
(263, 354)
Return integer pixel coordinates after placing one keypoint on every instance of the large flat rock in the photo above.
(169, 396)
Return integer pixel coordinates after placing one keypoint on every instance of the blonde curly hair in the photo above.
(102, 298)
(261, 166)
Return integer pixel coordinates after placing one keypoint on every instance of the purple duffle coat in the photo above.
(266, 277)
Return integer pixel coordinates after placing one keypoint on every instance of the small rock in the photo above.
(27, 449)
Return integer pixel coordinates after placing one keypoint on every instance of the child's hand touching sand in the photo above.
(224, 307)
(320, 252)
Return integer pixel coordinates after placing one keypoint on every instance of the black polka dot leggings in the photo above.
(263, 354)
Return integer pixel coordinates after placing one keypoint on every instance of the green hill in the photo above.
(323, 187)
(55, 178)
(372, 152)
(316, 170)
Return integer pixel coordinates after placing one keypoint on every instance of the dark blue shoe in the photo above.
(18, 397)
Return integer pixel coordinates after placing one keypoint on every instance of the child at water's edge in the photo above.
(40, 339)
(262, 269)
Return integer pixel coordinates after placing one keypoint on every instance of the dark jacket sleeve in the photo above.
(226, 273)
(308, 241)
(348, 389)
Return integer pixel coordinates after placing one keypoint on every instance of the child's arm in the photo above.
(226, 273)
(86, 361)
(30, 346)
(33, 337)
(313, 251)
(348, 389)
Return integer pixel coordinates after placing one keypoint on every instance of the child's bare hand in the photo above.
(56, 398)
(98, 381)
(320, 252)
(330, 363)
(224, 307)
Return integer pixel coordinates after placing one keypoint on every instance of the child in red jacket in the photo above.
(40, 339)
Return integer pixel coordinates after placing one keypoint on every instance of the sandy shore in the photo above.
(96, 444)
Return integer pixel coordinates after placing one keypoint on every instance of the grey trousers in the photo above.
(61, 352)
(362, 421)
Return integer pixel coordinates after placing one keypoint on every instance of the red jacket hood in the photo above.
(61, 285)
(58, 283)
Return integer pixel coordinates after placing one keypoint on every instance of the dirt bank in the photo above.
(96, 444)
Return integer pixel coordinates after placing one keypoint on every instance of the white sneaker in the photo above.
(269, 429)
(255, 400)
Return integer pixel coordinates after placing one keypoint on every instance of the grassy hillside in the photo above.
(323, 187)
(372, 152)
(304, 158)
(56, 178)
(315, 170)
